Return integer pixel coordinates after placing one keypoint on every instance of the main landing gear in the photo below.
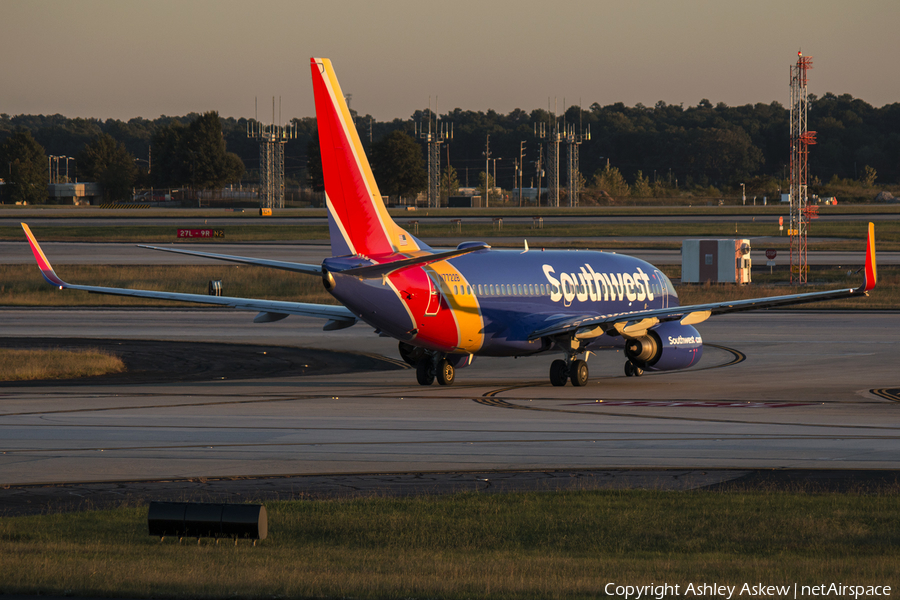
(576, 370)
(563, 370)
(632, 370)
(434, 366)
(430, 365)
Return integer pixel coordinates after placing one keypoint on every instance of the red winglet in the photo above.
(871, 268)
(43, 264)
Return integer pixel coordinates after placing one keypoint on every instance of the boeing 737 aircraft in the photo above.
(448, 307)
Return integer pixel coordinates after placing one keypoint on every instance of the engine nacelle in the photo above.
(666, 347)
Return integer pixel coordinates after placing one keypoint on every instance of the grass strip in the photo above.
(22, 285)
(156, 234)
(887, 232)
(523, 545)
(664, 206)
(24, 365)
(886, 294)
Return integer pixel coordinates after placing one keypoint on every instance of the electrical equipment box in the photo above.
(715, 261)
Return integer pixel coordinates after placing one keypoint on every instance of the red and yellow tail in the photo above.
(358, 219)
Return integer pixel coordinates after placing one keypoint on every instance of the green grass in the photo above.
(847, 235)
(164, 233)
(526, 545)
(22, 285)
(664, 206)
(886, 294)
(24, 365)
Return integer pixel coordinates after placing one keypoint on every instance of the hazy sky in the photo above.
(123, 58)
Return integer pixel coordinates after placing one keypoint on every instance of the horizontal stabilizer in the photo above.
(382, 269)
(259, 262)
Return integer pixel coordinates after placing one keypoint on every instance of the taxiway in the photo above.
(775, 390)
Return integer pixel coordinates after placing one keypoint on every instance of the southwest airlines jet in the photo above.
(448, 307)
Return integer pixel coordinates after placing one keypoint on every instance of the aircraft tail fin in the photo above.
(358, 220)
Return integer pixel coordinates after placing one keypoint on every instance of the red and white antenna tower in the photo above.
(801, 140)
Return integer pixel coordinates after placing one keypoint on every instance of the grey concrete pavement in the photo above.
(801, 397)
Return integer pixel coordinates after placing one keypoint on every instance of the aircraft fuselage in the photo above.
(489, 301)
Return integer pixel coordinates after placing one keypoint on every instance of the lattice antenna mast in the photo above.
(554, 137)
(435, 133)
(574, 136)
(801, 140)
(540, 132)
(272, 139)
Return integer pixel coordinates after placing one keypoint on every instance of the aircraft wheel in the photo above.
(425, 371)
(559, 373)
(638, 371)
(579, 373)
(446, 373)
(630, 369)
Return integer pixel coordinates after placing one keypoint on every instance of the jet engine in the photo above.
(666, 347)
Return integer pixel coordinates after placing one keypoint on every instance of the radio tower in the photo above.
(573, 139)
(553, 163)
(272, 139)
(553, 137)
(801, 140)
(434, 135)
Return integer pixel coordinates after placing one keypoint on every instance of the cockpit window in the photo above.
(670, 289)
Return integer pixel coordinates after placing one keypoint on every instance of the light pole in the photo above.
(50, 163)
(519, 168)
(743, 195)
(487, 165)
(140, 160)
(495, 170)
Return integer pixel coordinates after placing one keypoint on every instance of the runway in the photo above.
(775, 390)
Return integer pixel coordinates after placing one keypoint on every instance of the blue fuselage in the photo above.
(490, 301)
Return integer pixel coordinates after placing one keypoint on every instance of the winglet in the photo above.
(43, 264)
(871, 267)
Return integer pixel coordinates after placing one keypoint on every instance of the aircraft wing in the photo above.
(270, 310)
(637, 322)
(274, 264)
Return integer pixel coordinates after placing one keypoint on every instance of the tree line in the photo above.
(188, 153)
(658, 150)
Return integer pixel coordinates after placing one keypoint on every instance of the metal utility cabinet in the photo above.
(715, 261)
